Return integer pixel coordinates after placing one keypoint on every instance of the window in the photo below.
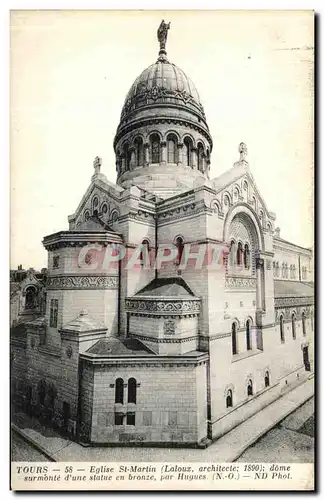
(304, 323)
(282, 333)
(274, 268)
(130, 418)
(200, 157)
(250, 388)
(119, 391)
(139, 148)
(277, 269)
(248, 335)
(234, 339)
(119, 417)
(155, 148)
(127, 156)
(246, 256)
(132, 390)
(144, 254)
(266, 379)
(172, 149)
(30, 300)
(56, 261)
(239, 254)
(187, 143)
(229, 399)
(293, 325)
(86, 215)
(180, 246)
(53, 313)
(173, 418)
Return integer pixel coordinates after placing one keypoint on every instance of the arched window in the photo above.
(200, 157)
(304, 323)
(234, 338)
(250, 388)
(229, 399)
(139, 148)
(254, 202)
(248, 335)
(286, 273)
(293, 325)
(246, 256)
(127, 155)
(119, 391)
(282, 333)
(274, 268)
(266, 379)
(187, 145)
(30, 301)
(86, 215)
(239, 254)
(291, 271)
(144, 253)
(155, 148)
(172, 149)
(131, 391)
(232, 253)
(180, 246)
(283, 270)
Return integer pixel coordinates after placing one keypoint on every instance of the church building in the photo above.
(174, 308)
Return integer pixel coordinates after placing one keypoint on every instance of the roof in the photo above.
(286, 288)
(119, 347)
(84, 323)
(94, 224)
(167, 287)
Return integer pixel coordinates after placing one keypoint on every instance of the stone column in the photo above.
(194, 157)
(123, 164)
(146, 154)
(180, 154)
(163, 153)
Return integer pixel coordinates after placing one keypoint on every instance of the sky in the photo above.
(70, 72)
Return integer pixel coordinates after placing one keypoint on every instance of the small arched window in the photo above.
(144, 252)
(139, 148)
(155, 148)
(277, 269)
(291, 271)
(172, 149)
(283, 270)
(127, 155)
(246, 256)
(293, 325)
(304, 324)
(187, 144)
(248, 335)
(229, 399)
(200, 157)
(266, 379)
(254, 202)
(239, 254)
(119, 391)
(30, 301)
(131, 391)
(86, 215)
(250, 388)
(234, 338)
(282, 333)
(180, 246)
(274, 268)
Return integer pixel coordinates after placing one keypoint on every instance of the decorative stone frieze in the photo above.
(82, 282)
(166, 306)
(293, 301)
(236, 282)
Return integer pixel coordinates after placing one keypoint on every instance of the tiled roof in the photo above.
(286, 288)
(94, 224)
(167, 287)
(119, 347)
(84, 323)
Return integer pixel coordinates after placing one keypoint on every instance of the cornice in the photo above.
(164, 340)
(82, 282)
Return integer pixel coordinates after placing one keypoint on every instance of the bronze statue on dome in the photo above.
(162, 34)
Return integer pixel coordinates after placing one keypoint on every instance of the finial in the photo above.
(243, 151)
(97, 164)
(162, 35)
(83, 312)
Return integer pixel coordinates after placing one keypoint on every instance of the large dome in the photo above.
(162, 82)
(162, 143)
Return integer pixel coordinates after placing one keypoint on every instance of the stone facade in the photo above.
(126, 352)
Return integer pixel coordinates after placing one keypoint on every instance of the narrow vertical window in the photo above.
(232, 253)
(229, 399)
(234, 339)
(250, 388)
(119, 391)
(246, 256)
(200, 154)
(53, 313)
(180, 246)
(293, 326)
(132, 390)
(119, 417)
(130, 419)
(248, 335)
(187, 151)
(239, 254)
(304, 324)
(139, 151)
(266, 379)
(155, 149)
(144, 254)
(172, 150)
(282, 333)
